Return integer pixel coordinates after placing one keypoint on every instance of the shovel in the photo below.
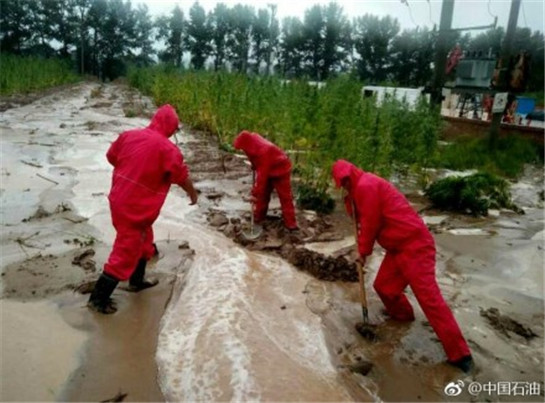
(255, 231)
(364, 328)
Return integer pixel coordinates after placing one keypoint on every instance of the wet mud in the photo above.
(410, 353)
(506, 325)
(57, 234)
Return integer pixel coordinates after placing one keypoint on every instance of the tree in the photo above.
(412, 57)
(143, 50)
(15, 26)
(261, 37)
(292, 47)
(113, 26)
(40, 41)
(172, 31)
(94, 21)
(274, 32)
(487, 41)
(373, 39)
(313, 31)
(64, 24)
(337, 42)
(82, 8)
(218, 25)
(239, 36)
(198, 36)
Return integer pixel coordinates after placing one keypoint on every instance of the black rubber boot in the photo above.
(136, 281)
(100, 300)
(466, 364)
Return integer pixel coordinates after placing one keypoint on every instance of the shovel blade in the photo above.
(367, 331)
(253, 233)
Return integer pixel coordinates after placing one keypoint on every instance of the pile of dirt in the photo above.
(323, 267)
(290, 246)
(504, 324)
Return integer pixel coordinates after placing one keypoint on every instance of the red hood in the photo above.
(343, 169)
(165, 121)
(250, 143)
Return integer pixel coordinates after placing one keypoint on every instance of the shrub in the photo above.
(475, 193)
(311, 198)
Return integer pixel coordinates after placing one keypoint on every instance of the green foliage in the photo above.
(373, 37)
(310, 198)
(317, 126)
(198, 35)
(507, 159)
(26, 74)
(475, 194)
(102, 36)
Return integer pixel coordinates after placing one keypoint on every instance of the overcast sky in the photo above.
(467, 13)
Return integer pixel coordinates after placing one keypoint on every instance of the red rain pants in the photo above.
(414, 265)
(282, 185)
(132, 242)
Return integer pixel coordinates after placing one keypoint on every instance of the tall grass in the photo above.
(25, 74)
(317, 125)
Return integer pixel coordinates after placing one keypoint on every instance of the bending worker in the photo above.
(273, 171)
(384, 215)
(145, 164)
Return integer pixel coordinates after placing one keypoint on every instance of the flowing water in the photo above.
(241, 325)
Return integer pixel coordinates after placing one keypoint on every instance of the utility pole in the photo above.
(441, 51)
(503, 63)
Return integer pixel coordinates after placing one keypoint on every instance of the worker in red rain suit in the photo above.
(384, 214)
(145, 164)
(273, 170)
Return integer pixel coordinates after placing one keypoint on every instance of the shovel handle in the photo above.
(361, 270)
(363, 296)
(252, 205)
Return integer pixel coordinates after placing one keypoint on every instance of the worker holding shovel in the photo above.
(272, 168)
(384, 215)
(145, 163)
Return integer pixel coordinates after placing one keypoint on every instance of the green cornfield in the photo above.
(25, 74)
(315, 125)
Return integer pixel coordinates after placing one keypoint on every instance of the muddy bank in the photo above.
(56, 236)
(489, 270)
(272, 319)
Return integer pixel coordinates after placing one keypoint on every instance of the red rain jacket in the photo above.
(145, 164)
(383, 212)
(268, 160)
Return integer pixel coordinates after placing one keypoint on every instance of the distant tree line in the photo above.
(103, 36)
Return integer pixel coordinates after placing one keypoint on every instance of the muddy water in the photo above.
(236, 328)
(239, 324)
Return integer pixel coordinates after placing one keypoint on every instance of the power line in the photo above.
(523, 14)
(406, 2)
(429, 9)
(490, 12)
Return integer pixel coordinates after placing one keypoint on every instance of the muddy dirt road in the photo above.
(270, 320)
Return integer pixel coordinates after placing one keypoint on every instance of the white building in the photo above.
(408, 95)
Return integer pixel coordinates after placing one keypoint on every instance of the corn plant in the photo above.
(26, 74)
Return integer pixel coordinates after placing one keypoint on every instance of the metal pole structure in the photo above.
(506, 51)
(441, 51)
